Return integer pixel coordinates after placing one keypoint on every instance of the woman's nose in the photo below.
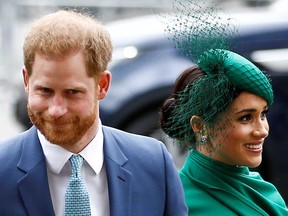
(262, 129)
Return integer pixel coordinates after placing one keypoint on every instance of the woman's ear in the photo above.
(104, 81)
(196, 123)
(198, 127)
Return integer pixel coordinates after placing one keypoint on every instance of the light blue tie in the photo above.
(77, 197)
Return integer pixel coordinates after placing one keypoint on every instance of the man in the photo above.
(65, 61)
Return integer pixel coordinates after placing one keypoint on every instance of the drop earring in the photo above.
(203, 139)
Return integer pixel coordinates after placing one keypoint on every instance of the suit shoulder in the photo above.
(131, 143)
(140, 151)
(11, 146)
(130, 138)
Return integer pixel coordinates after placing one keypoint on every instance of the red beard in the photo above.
(63, 131)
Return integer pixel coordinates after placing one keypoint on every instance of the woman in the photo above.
(218, 109)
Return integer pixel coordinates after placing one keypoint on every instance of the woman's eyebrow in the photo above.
(246, 110)
(250, 110)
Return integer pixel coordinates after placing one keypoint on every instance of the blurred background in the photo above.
(145, 65)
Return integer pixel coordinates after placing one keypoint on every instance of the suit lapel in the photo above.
(33, 186)
(119, 179)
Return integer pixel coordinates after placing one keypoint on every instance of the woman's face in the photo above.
(239, 136)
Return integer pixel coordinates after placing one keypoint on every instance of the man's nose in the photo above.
(57, 106)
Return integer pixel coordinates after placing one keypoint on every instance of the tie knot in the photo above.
(76, 164)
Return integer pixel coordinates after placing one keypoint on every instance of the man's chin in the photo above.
(61, 135)
(58, 139)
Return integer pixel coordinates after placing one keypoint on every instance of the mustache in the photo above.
(62, 120)
(49, 119)
(59, 121)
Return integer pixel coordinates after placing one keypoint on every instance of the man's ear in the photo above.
(25, 79)
(196, 123)
(104, 81)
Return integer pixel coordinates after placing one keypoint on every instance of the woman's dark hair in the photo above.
(187, 77)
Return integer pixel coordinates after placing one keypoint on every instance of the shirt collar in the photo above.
(57, 157)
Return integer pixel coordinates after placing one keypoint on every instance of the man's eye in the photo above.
(72, 91)
(46, 90)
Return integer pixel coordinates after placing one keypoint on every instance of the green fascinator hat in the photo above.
(240, 72)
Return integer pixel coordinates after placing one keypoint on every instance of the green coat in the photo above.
(214, 188)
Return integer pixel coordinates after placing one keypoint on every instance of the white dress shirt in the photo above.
(93, 172)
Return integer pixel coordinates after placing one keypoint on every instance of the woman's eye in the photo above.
(245, 118)
(264, 113)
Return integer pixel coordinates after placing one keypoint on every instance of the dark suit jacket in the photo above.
(142, 178)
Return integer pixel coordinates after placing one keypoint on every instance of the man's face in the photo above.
(62, 99)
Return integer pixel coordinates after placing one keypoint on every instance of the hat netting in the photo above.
(205, 34)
